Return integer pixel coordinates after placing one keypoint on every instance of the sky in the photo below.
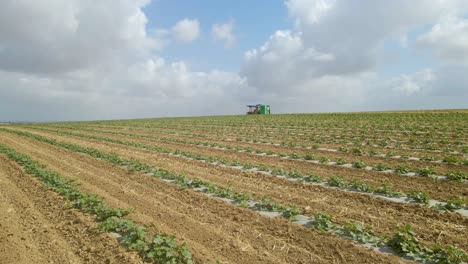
(119, 59)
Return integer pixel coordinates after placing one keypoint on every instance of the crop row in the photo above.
(306, 143)
(335, 181)
(358, 164)
(351, 230)
(161, 248)
(451, 159)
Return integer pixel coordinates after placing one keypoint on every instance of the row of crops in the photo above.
(391, 183)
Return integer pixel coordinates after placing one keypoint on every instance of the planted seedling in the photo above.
(323, 222)
(419, 196)
(360, 164)
(337, 181)
(312, 177)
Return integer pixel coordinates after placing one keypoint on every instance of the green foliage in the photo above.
(381, 167)
(452, 159)
(312, 177)
(402, 169)
(360, 186)
(453, 203)
(448, 255)
(406, 243)
(419, 196)
(360, 164)
(457, 176)
(360, 233)
(291, 212)
(323, 222)
(341, 162)
(163, 249)
(337, 181)
(426, 172)
(386, 189)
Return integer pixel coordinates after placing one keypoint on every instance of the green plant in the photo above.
(291, 212)
(337, 181)
(360, 233)
(426, 172)
(406, 243)
(386, 189)
(457, 176)
(163, 249)
(381, 167)
(323, 222)
(452, 159)
(360, 186)
(453, 203)
(419, 196)
(360, 164)
(402, 169)
(323, 159)
(341, 162)
(448, 255)
(309, 157)
(312, 177)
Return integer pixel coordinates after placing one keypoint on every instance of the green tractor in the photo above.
(259, 109)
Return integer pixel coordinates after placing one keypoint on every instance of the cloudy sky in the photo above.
(113, 59)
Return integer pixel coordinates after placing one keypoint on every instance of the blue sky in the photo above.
(254, 22)
(132, 59)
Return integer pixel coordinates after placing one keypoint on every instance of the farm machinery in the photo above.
(259, 109)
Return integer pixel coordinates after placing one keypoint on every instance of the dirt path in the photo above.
(383, 215)
(213, 229)
(34, 227)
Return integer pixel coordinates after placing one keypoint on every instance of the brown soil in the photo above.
(213, 229)
(383, 215)
(35, 228)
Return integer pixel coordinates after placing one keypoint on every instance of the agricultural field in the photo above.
(380, 187)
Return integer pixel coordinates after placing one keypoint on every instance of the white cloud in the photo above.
(448, 39)
(186, 30)
(225, 33)
(339, 42)
(84, 59)
(54, 36)
(409, 84)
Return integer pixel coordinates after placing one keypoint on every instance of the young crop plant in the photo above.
(457, 176)
(360, 186)
(448, 255)
(341, 162)
(453, 203)
(309, 157)
(402, 169)
(343, 149)
(452, 159)
(426, 172)
(419, 196)
(381, 167)
(406, 243)
(323, 159)
(312, 177)
(164, 249)
(291, 212)
(360, 164)
(362, 234)
(337, 181)
(386, 189)
(323, 222)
